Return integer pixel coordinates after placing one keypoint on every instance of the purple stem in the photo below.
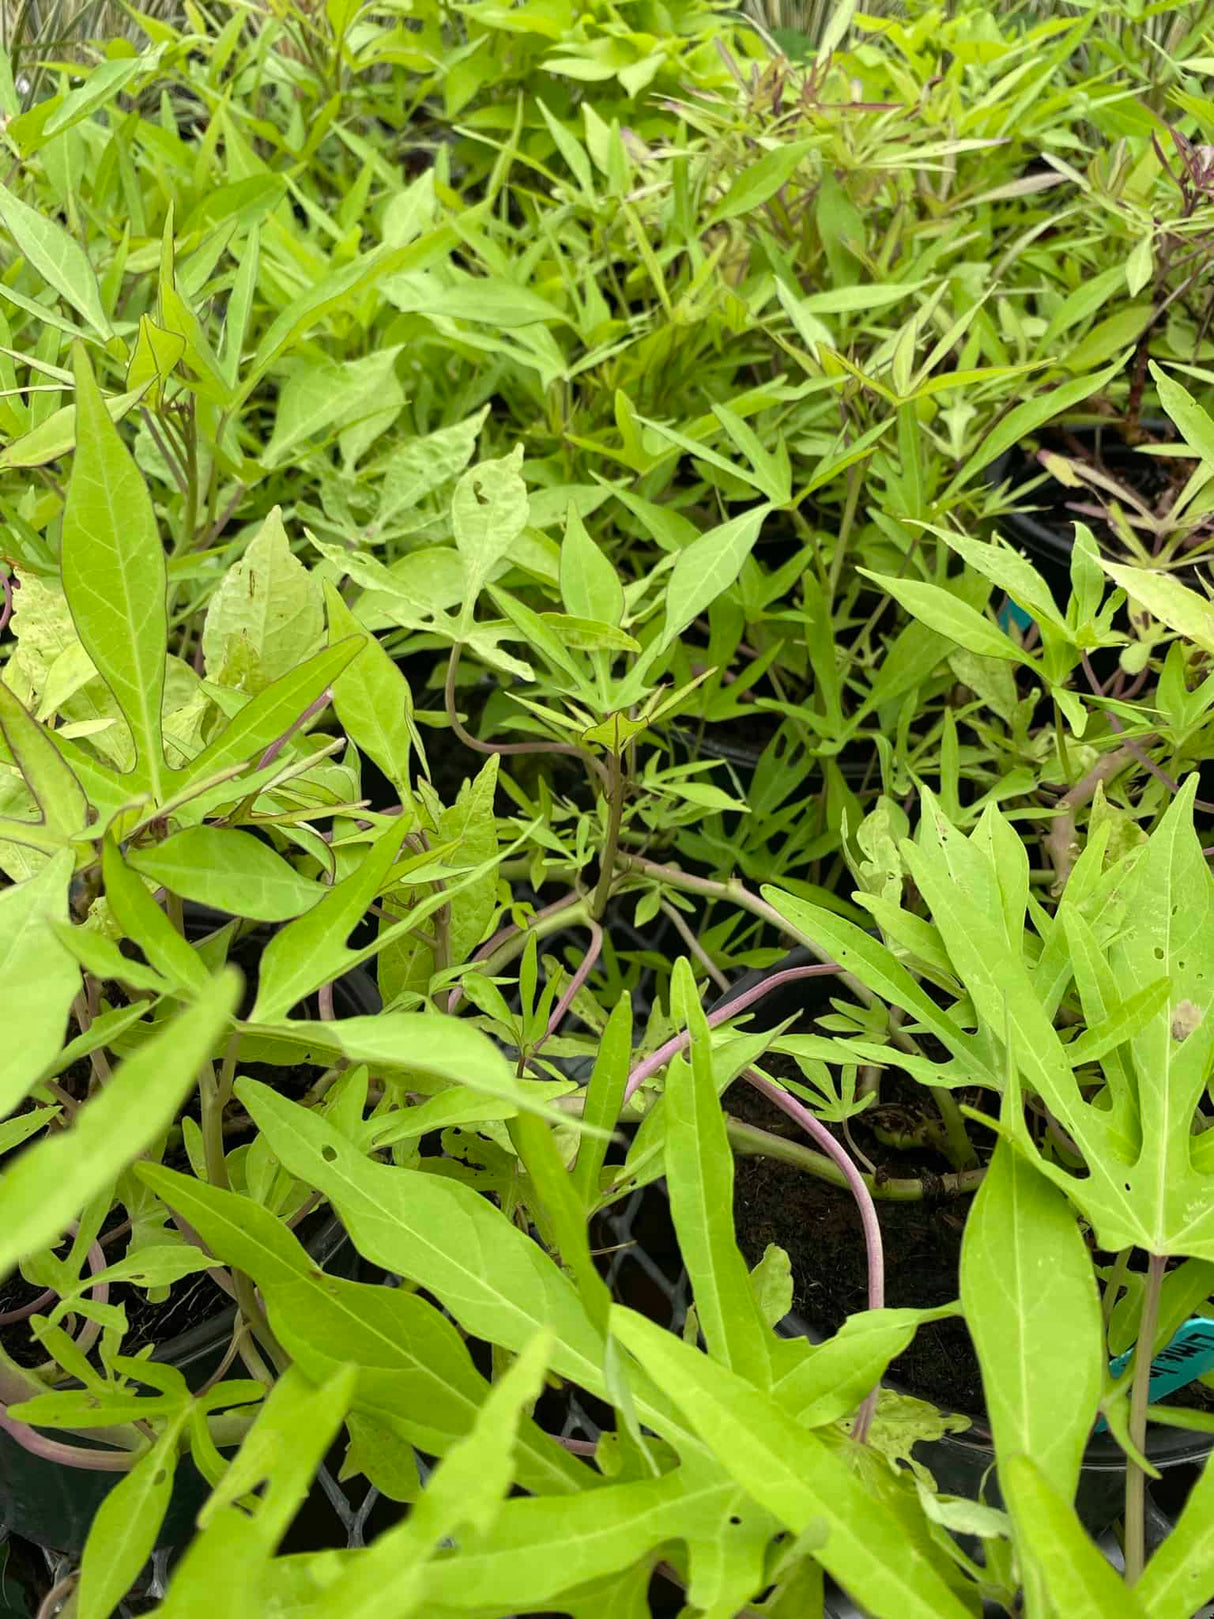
(96, 1263)
(575, 983)
(508, 932)
(53, 1450)
(276, 747)
(1157, 771)
(679, 1042)
(814, 1127)
(9, 584)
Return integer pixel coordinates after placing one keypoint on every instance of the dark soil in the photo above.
(819, 1227)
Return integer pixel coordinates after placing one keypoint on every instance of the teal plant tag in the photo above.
(1188, 1355)
(1012, 613)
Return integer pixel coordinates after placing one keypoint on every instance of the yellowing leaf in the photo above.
(266, 616)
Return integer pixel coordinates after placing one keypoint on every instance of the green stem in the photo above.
(189, 512)
(1115, 1285)
(611, 843)
(855, 482)
(1135, 1478)
(214, 1092)
(751, 1141)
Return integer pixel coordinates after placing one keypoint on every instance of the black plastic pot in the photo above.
(963, 1463)
(54, 1505)
(1048, 540)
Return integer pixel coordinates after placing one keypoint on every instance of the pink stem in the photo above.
(8, 584)
(508, 932)
(276, 747)
(53, 1450)
(575, 983)
(96, 1262)
(679, 1042)
(814, 1127)
(578, 1447)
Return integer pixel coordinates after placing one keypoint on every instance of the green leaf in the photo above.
(156, 355)
(226, 1568)
(495, 1280)
(40, 979)
(100, 86)
(389, 1580)
(1031, 1305)
(558, 1212)
(142, 920)
(125, 1527)
(49, 777)
(540, 1548)
(853, 300)
(57, 257)
(772, 1285)
(1195, 424)
(941, 611)
(762, 179)
(1180, 1575)
(373, 701)
(270, 714)
(1007, 569)
(707, 568)
(229, 869)
(800, 1480)
(604, 1098)
(827, 1381)
(440, 1048)
(879, 969)
(1166, 599)
(334, 291)
(322, 393)
(56, 436)
(421, 466)
(1024, 420)
(114, 574)
(54, 1179)
(415, 1372)
(590, 586)
(488, 513)
(1080, 1580)
(265, 616)
(312, 950)
(699, 1177)
(1142, 1188)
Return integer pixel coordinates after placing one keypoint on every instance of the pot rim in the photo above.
(1046, 539)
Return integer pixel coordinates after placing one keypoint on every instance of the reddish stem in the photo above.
(276, 747)
(575, 983)
(508, 932)
(679, 1042)
(814, 1127)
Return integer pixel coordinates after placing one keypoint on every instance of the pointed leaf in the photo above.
(798, 1478)
(114, 573)
(54, 1179)
(40, 978)
(57, 257)
(228, 869)
(1030, 1301)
